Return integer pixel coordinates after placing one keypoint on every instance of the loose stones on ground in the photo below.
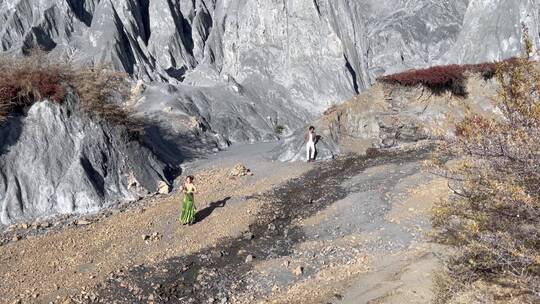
(239, 171)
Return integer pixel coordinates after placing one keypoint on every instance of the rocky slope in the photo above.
(356, 233)
(56, 160)
(215, 72)
(247, 66)
(387, 116)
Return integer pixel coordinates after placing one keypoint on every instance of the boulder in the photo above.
(163, 188)
(240, 170)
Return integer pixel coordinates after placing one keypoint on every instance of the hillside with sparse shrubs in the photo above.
(35, 78)
(491, 222)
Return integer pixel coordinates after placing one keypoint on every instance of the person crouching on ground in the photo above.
(311, 139)
(188, 207)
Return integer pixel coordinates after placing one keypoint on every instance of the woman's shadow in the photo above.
(206, 212)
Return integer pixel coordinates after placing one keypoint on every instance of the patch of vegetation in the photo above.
(25, 81)
(330, 110)
(279, 130)
(440, 79)
(372, 152)
(492, 220)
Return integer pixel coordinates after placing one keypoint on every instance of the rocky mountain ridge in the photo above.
(253, 65)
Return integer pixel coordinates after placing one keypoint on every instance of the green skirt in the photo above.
(188, 209)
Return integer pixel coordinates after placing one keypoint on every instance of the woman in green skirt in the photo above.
(188, 208)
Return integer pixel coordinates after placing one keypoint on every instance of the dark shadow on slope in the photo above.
(206, 212)
(94, 176)
(10, 131)
(167, 147)
(317, 7)
(177, 73)
(145, 15)
(183, 27)
(353, 75)
(124, 45)
(77, 6)
(37, 39)
(173, 148)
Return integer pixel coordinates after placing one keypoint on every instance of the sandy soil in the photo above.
(381, 253)
(53, 266)
(348, 231)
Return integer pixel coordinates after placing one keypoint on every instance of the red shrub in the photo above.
(25, 81)
(49, 85)
(8, 91)
(443, 78)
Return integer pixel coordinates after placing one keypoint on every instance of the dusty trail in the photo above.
(57, 263)
(221, 272)
(343, 231)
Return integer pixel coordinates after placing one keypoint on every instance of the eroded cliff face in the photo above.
(212, 72)
(277, 62)
(56, 160)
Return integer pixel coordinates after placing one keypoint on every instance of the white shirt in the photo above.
(311, 137)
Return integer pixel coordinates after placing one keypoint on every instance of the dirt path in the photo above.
(344, 230)
(62, 263)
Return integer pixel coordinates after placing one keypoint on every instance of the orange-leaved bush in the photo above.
(492, 220)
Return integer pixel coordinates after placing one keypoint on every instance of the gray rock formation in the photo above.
(56, 160)
(388, 116)
(492, 30)
(259, 63)
(220, 71)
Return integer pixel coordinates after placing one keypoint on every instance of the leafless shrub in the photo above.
(23, 81)
(97, 89)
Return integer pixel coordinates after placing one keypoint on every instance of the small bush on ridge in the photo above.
(279, 130)
(24, 81)
(439, 79)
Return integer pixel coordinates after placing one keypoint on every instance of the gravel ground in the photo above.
(293, 233)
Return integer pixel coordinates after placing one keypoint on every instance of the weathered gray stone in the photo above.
(56, 160)
(387, 116)
(244, 67)
(216, 72)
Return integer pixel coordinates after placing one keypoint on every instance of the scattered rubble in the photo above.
(156, 236)
(249, 235)
(82, 222)
(240, 170)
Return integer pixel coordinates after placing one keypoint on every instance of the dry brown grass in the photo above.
(25, 81)
(492, 220)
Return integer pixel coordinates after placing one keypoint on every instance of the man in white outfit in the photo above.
(311, 139)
